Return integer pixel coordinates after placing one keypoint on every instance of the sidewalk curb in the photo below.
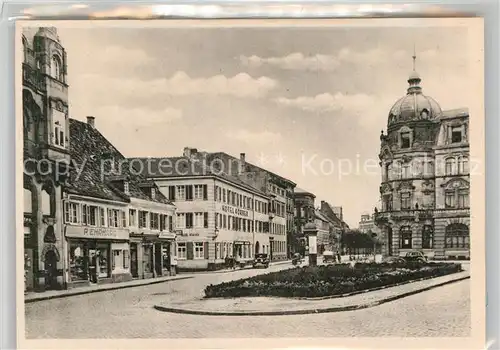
(306, 311)
(81, 292)
(195, 273)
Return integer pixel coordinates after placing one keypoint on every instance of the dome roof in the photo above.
(414, 105)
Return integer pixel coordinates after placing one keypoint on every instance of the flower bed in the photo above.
(320, 281)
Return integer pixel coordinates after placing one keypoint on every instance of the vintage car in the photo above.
(394, 260)
(261, 260)
(415, 256)
(328, 257)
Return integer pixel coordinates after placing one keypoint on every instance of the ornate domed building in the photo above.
(424, 159)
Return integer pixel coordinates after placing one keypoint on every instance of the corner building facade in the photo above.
(424, 159)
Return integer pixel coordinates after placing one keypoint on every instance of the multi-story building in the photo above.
(337, 225)
(304, 212)
(324, 238)
(218, 215)
(425, 177)
(367, 223)
(117, 225)
(46, 157)
(279, 190)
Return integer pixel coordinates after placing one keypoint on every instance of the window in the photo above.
(205, 220)
(181, 193)
(405, 200)
(181, 251)
(405, 240)
(126, 187)
(181, 220)
(126, 259)
(143, 219)
(463, 198)
(84, 214)
(189, 192)
(463, 165)
(198, 220)
(59, 135)
(457, 236)
(189, 220)
(154, 220)
(55, 68)
(405, 140)
(198, 192)
(449, 199)
(92, 217)
(198, 250)
(114, 218)
(387, 202)
(132, 214)
(170, 223)
(427, 237)
(171, 193)
(72, 211)
(456, 134)
(124, 218)
(224, 195)
(102, 215)
(450, 166)
(405, 171)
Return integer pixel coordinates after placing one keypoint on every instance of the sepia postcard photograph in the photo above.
(250, 184)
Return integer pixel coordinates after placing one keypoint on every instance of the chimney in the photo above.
(91, 121)
(241, 165)
(187, 152)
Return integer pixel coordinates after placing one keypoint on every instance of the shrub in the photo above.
(329, 280)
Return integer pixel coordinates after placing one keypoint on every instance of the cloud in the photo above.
(327, 102)
(255, 137)
(294, 61)
(137, 117)
(241, 85)
(330, 62)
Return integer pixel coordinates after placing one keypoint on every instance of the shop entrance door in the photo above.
(133, 260)
(158, 259)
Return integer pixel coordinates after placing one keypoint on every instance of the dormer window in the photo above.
(153, 192)
(126, 187)
(405, 140)
(456, 134)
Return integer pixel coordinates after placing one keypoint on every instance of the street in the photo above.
(129, 313)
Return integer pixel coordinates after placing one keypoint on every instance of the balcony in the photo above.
(33, 78)
(401, 215)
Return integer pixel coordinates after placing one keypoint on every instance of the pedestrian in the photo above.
(174, 264)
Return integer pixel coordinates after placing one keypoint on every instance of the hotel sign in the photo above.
(96, 232)
(234, 211)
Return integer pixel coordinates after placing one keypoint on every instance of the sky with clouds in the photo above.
(304, 103)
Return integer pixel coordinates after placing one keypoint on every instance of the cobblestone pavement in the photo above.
(129, 313)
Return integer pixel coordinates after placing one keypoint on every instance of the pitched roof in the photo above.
(249, 167)
(89, 150)
(173, 167)
(301, 191)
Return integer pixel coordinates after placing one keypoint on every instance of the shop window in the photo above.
(456, 134)
(143, 219)
(148, 258)
(406, 237)
(427, 237)
(199, 250)
(181, 250)
(132, 217)
(102, 253)
(405, 200)
(457, 236)
(181, 220)
(78, 262)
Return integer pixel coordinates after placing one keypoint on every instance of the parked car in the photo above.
(393, 260)
(415, 256)
(261, 260)
(329, 257)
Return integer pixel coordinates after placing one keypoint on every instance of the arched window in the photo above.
(427, 237)
(55, 68)
(450, 165)
(456, 194)
(463, 165)
(457, 236)
(405, 237)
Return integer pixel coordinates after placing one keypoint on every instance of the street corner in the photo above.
(276, 306)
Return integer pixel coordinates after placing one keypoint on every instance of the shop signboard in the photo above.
(96, 232)
(234, 210)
